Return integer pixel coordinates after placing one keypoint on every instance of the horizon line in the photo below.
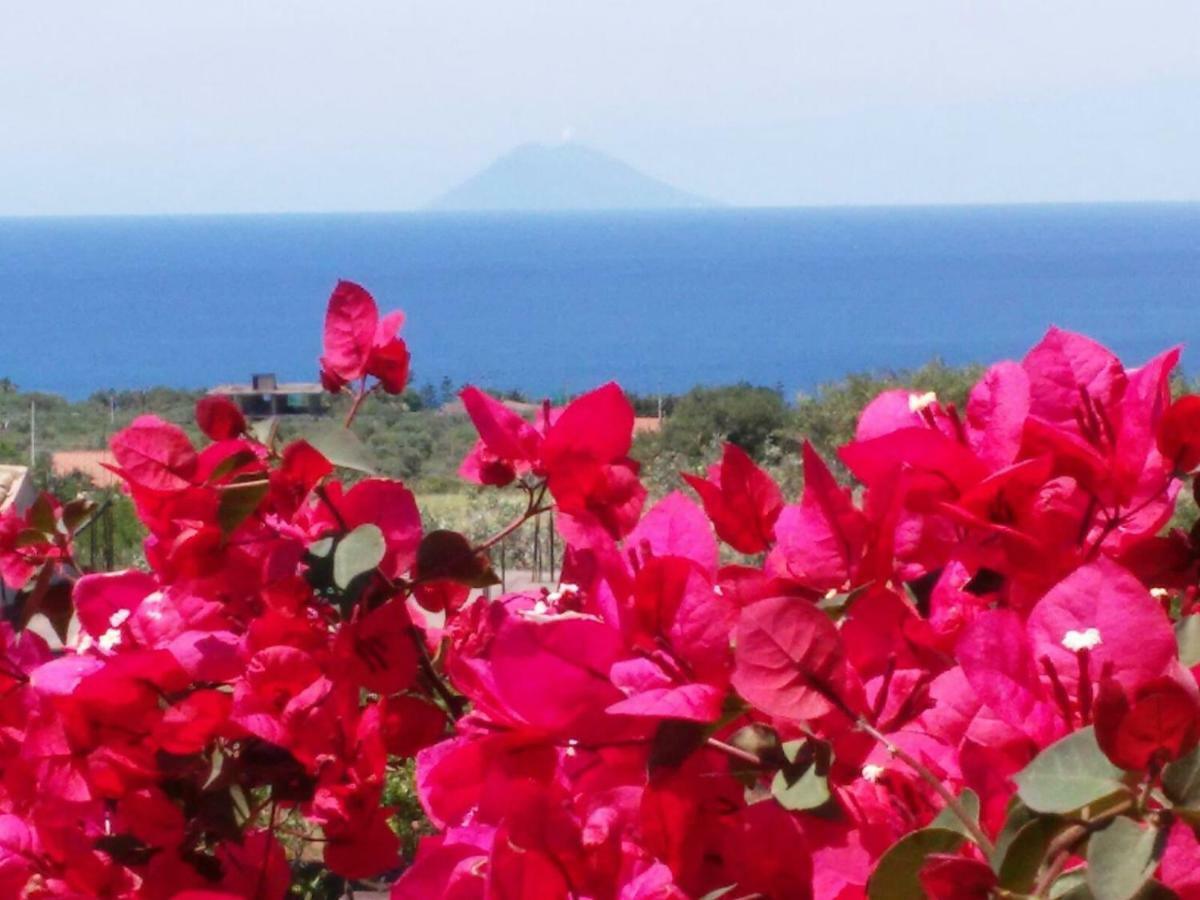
(636, 210)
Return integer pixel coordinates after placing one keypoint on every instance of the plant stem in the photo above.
(359, 397)
(1061, 848)
(455, 704)
(532, 508)
(736, 752)
(952, 803)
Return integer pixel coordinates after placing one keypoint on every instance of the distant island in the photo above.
(561, 177)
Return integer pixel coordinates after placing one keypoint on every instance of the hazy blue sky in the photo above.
(265, 105)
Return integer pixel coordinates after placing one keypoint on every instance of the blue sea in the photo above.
(558, 303)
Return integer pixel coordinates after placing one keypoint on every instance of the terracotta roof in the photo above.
(87, 463)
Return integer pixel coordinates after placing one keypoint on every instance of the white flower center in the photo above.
(109, 639)
(918, 402)
(1087, 639)
(117, 619)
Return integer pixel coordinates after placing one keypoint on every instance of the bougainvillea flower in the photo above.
(1102, 608)
(820, 541)
(1154, 724)
(582, 452)
(790, 661)
(219, 418)
(155, 455)
(741, 499)
(1179, 434)
(358, 342)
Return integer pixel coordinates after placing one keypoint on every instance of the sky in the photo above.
(213, 106)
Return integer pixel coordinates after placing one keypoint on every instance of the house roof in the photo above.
(88, 463)
(282, 388)
(647, 425)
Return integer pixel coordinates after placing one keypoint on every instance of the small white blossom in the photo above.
(117, 619)
(919, 402)
(109, 639)
(1087, 639)
(1159, 593)
(872, 772)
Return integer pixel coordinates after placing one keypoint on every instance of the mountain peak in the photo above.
(565, 176)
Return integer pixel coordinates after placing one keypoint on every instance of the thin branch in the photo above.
(455, 705)
(952, 803)
(533, 507)
(736, 752)
(359, 397)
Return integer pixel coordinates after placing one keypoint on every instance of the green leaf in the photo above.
(321, 548)
(447, 554)
(1181, 780)
(1017, 817)
(1068, 775)
(896, 875)
(358, 552)
(76, 512)
(342, 447)
(969, 801)
(1019, 869)
(1071, 886)
(231, 463)
(807, 791)
(1187, 633)
(239, 500)
(1121, 859)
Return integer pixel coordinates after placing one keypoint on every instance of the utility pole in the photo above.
(32, 435)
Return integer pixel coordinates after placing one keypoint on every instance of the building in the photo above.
(265, 396)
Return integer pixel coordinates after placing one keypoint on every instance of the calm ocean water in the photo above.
(659, 301)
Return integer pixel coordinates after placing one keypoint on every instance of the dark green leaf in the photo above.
(358, 552)
(896, 875)
(1068, 775)
(1121, 859)
(1181, 780)
(447, 554)
(1024, 856)
(1017, 817)
(342, 448)
(239, 500)
(231, 463)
